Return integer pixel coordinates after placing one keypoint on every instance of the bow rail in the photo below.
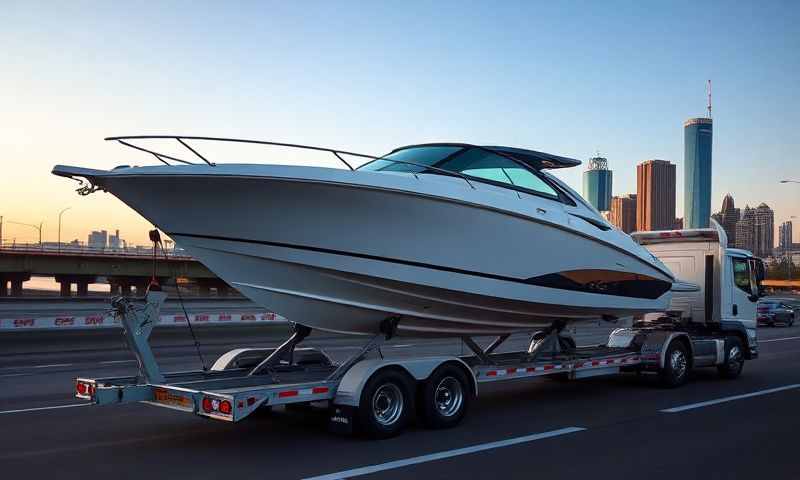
(182, 139)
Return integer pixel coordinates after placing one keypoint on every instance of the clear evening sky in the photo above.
(563, 77)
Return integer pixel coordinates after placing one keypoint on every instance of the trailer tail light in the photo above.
(84, 389)
(215, 405)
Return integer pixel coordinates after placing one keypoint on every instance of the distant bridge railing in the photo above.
(72, 249)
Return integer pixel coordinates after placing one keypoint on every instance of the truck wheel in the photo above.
(445, 397)
(734, 358)
(676, 365)
(386, 404)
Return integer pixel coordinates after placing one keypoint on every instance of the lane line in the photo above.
(758, 393)
(357, 472)
(37, 409)
(15, 374)
(778, 339)
(111, 362)
(53, 365)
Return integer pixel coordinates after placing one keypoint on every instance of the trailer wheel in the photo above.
(676, 365)
(445, 397)
(386, 404)
(734, 358)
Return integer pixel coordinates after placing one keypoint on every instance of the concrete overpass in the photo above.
(82, 266)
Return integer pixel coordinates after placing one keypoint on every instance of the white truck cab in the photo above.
(719, 287)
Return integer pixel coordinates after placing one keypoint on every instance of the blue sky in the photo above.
(564, 77)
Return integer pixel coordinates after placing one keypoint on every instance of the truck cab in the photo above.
(718, 287)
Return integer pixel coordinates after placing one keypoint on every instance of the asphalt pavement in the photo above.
(607, 427)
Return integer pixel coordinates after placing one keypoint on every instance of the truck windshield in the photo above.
(741, 274)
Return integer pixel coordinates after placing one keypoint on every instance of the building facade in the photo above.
(764, 231)
(744, 229)
(655, 195)
(597, 180)
(785, 236)
(98, 239)
(114, 242)
(728, 217)
(623, 213)
(697, 142)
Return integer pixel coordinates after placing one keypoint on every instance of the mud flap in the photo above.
(341, 419)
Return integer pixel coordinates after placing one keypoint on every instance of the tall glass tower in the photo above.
(697, 139)
(597, 184)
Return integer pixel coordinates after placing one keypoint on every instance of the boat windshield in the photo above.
(428, 156)
(473, 162)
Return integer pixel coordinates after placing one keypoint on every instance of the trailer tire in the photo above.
(734, 358)
(386, 404)
(676, 365)
(445, 397)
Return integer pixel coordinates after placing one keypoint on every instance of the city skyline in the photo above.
(396, 78)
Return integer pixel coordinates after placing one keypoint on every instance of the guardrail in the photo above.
(68, 249)
(102, 320)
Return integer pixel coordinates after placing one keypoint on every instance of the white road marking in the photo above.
(14, 374)
(357, 472)
(23, 410)
(53, 365)
(111, 362)
(692, 406)
(778, 339)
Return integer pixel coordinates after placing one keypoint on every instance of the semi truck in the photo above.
(711, 323)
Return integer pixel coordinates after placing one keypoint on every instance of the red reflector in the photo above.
(491, 373)
(80, 388)
(91, 390)
(548, 367)
(288, 393)
(511, 370)
(207, 407)
(316, 390)
(251, 401)
(530, 369)
(225, 407)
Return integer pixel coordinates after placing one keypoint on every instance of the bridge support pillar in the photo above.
(140, 287)
(16, 279)
(16, 288)
(82, 282)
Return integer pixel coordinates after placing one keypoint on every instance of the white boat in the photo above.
(451, 239)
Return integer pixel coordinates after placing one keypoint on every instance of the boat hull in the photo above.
(342, 253)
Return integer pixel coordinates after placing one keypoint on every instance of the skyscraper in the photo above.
(764, 231)
(655, 195)
(728, 218)
(623, 212)
(697, 140)
(785, 236)
(597, 184)
(744, 229)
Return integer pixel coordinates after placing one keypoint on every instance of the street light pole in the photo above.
(59, 227)
(37, 227)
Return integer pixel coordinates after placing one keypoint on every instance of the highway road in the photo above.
(616, 427)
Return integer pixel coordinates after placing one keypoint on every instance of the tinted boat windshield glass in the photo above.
(476, 163)
(419, 155)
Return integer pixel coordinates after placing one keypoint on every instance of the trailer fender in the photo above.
(349, 390)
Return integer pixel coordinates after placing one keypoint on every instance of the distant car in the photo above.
(777, 312)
